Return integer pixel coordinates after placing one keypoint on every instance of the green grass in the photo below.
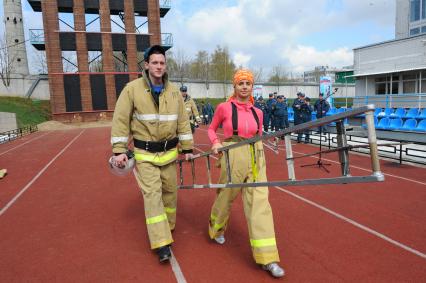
(28, 112)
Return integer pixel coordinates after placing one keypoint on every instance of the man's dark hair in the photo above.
(155, 49)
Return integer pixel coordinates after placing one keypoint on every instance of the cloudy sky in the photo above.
(262, 33)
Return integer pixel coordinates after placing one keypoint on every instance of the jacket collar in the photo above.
(147, 81)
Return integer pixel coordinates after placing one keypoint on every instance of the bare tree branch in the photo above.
(7, 61)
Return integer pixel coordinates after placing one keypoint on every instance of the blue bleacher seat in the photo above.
(332, 111)
(409, 125)
(290, 110)
(422, 114)
(377, 111)
(399, 113)
(313, 115)
(385, 113)
(412, 113)
(341, 110)
(291, 116)
(395, 124)
(383, 124)
(421, 126)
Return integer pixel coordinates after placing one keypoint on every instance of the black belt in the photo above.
(156, 146)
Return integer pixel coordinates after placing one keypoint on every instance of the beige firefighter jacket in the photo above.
(137, 115)
(191, 110)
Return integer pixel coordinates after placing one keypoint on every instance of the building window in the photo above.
(16, 40)
(414, 10)
(423, 29)
(19, 59)
(387, 84)
(423, 9)
(414, 31)
(411, 82)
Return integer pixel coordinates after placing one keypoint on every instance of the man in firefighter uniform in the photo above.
(191, 108)
(152, 112)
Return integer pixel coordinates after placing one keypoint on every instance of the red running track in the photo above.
(65, 218)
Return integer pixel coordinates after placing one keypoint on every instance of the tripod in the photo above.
(319, 162)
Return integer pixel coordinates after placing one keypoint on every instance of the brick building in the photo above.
(86, 94)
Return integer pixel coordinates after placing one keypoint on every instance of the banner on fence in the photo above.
(326, 89)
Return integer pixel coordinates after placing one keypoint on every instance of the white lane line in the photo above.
(176, 269)
(356, 224)
(18, 146)
(350, 221)
(180, 278)
(11, 202)
(353, 166)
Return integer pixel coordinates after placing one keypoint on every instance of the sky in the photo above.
(297, 35)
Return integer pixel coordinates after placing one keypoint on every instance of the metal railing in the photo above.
(167, 39)
(17, 133)
(36, 36)
(408, 100)
(166, 4)
(343, 152)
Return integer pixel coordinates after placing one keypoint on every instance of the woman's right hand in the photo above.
(216, 146)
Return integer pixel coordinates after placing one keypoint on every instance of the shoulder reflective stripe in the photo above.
(119, 139)
(146, 117)
(156, 158)
(185, 137)
(263, 243)
(170, 209)
(156, 219)
(213, 217)
(172, 117)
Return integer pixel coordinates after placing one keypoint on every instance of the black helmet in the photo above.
(183, 88)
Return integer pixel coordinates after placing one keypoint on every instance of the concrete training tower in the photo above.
(15, 38)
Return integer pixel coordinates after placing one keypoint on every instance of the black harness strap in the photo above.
(235, 119)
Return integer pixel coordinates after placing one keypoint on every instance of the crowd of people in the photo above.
(275, 112)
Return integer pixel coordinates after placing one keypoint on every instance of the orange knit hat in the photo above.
(243, 75)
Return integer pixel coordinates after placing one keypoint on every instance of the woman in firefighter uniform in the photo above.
(152, 112)
(241, 121)
(191, 108)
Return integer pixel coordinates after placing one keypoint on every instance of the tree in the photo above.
(222, 67)
(40, 62)
(179, 65)
(199, 66)
(278, 75)
(7, 61)
(257, 73)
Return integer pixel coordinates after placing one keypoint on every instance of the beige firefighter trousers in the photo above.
(159, 190)
(257, 209)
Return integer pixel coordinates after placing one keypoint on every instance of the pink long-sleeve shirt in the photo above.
(247, 126)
